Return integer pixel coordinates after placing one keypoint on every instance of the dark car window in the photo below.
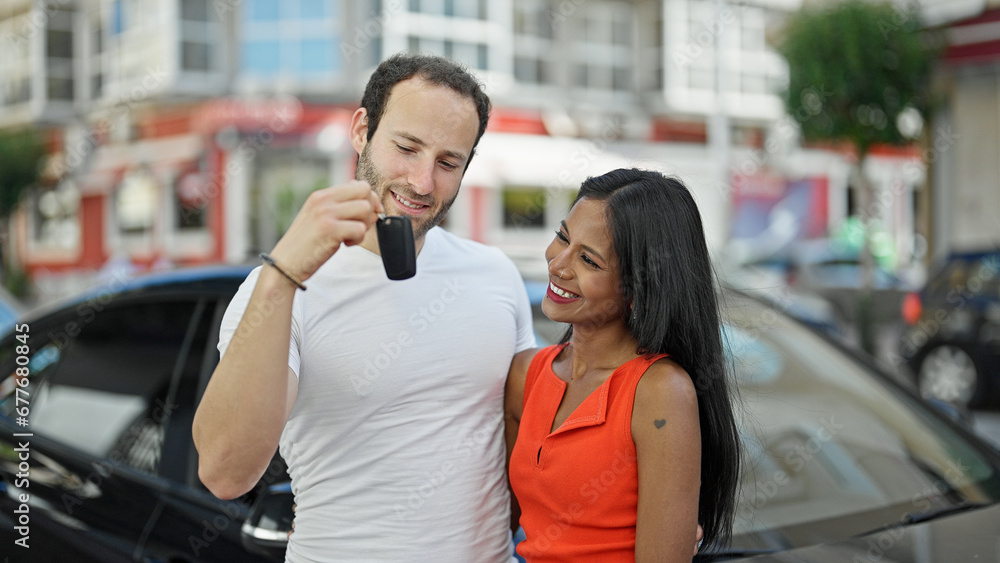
(986, 276)
(966, 277)
(101, 379)
(198, 355)
(832, 449)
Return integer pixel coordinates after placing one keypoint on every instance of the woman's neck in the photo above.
(600, 350)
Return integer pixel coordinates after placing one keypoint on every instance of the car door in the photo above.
(192, 524)
(96, 401)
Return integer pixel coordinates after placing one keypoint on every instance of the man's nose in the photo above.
(421, 177)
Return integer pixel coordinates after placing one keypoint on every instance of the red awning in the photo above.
(974, 40)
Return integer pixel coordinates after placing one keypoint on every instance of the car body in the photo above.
(952, 343)
(770, 284)
(836, 451)
(832, 271)
(10, 310)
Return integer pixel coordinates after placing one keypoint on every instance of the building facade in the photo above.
(190, 131)
(965, 151)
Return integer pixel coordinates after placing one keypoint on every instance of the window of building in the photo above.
(533, 18)
(15, 64)
(523, 207)
(191, 201)
(427, 17)
(314, 9)
(482, 57)
(59, 55)
(135, 202)
(534, 49)
(601, 39)
(200, 31)
(263, 10)
(117, 17)
(291, 38)
(432, 46)
(472, 9)
(96, 56)
(194, 10)
(262, 56)
(428, 6)
(55, 219)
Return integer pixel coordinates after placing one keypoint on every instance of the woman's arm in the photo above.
(513, 406)
(667, 436)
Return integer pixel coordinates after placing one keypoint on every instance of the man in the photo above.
(386, 397)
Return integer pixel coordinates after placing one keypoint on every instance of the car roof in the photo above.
(208, 280)
(973, 254)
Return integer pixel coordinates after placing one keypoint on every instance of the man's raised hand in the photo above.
(330, 217)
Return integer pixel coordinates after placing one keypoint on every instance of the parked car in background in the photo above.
(841, 460)
(771, 285)
(113, 381)
(832, 271)
(10, 310)
(952, 343)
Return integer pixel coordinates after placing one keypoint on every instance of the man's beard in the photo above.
(366, 171)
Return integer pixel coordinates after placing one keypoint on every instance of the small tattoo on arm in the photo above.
(659, 423)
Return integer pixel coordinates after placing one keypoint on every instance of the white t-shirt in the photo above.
(395, 443)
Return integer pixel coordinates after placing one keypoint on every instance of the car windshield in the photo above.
(8, 314)
(832, 449)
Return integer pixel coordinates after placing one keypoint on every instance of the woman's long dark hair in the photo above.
(666, 275)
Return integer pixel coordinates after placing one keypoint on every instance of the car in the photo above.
(952, 342)
(97, 461)
(10, 310)
(770, 284)
(831, 270)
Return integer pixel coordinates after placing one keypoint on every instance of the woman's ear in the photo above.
(359, 129)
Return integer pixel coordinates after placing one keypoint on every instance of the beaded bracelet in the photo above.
(270, 262)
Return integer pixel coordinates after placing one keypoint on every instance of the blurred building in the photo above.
(965, 151)
(189, 131)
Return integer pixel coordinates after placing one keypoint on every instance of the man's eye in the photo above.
(405, 149)
(448, 165)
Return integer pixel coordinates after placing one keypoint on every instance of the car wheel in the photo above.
(950, 374)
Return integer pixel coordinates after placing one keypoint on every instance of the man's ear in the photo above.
(359, 129)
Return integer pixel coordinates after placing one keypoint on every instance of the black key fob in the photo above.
(395, 242)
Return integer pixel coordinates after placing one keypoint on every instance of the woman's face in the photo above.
(584, 282)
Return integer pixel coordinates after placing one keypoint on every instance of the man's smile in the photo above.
(407, 204)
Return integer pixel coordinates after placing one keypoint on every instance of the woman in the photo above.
(625, 435)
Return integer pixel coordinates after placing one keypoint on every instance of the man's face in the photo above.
(416, 158)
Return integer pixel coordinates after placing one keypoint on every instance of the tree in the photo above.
(21, 154)
(858, 73)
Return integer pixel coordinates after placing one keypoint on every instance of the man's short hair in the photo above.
(436, 70)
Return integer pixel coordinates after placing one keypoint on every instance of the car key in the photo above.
(395, 242)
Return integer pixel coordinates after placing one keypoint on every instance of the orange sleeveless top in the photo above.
(578, 486)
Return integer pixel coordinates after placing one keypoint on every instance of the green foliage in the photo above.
(289, 200)
(17, 281)
(21, 154)
(853, 67)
